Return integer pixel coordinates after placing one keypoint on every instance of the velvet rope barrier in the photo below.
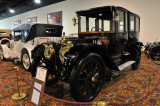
(69, 102)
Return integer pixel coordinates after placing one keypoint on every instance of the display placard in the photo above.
(36, 96)
(41, 74)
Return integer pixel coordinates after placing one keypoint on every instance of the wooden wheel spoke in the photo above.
(88, 88)
(82, 79)
(83, 89)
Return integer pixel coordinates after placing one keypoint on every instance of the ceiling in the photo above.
(21, 6)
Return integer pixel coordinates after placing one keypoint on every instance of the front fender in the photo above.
(37, 51)
(29, 51)
(78, 52)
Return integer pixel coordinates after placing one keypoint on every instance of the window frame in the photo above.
(124, 22)
(136, 24)
(79, 20)
(130, 22)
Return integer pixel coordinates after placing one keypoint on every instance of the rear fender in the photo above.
(4, 41)
(140, 44)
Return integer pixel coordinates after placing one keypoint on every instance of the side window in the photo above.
(83, 24)
(137, 24)
(132, 23)
(17, 35)
(121, 22)
(106, 25)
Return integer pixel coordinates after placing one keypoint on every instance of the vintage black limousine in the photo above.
(107, 40)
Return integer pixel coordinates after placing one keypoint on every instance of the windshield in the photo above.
(23, 34)
(17, 35)
(96, 22)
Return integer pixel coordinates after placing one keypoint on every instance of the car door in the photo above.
(121, 32)
(16, 44)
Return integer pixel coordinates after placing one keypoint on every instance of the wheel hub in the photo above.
(26, 61)
(94, 78)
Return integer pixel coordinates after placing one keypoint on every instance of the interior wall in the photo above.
(147, 9)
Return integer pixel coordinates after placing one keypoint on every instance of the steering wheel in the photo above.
(94, 28)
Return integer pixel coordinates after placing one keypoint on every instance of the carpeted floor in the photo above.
(126, 88)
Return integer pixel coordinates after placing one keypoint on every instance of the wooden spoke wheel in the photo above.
(87, 78)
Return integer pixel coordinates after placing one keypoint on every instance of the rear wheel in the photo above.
(41, 62)
(137, 58)
(2, 55)
(87, 78)
(26, 60)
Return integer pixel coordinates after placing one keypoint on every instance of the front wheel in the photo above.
(26, 60)
(41, 62)
(87, 78)
(137, 58)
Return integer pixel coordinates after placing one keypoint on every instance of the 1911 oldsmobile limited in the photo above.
(107, 37)
(25, 38)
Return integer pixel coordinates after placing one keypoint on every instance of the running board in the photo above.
(125, 65)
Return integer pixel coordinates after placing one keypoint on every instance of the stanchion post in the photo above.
(18, 96)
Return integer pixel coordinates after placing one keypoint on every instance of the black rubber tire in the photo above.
(136, 65)
(2, 58)
(74, 86)
(26, 52)
(34, 65)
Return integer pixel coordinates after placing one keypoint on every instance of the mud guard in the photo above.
(79, 51)
(6, 51)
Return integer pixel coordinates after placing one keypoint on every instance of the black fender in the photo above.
(140, 44)
(79, 51)
(37, 51)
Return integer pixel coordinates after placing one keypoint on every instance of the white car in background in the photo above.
(25, 37)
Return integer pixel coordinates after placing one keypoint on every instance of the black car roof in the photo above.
(104, 8)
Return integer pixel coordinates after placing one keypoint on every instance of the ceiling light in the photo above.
(11, 11)
(37, 1)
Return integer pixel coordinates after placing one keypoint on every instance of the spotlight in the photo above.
(37, 1)
(11, 11)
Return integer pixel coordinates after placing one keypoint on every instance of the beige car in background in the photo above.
(4, 35)
(23, 40)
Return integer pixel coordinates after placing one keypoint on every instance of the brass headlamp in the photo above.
(48, 51)
(64, 48)
(66, 45)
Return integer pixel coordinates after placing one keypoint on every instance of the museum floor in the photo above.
(126, 88)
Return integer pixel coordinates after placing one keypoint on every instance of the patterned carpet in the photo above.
(126, 88)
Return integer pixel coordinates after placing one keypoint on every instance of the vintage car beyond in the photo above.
(4, 34)
(152, 50)
(107, 43)
(25, 38)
